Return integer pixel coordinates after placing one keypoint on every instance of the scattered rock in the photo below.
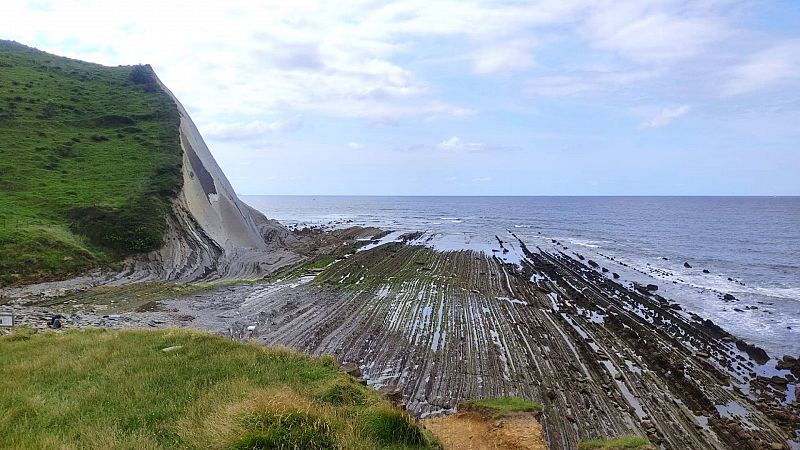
(351, 369)
(687, 265)
(728, 297)
(392, 393)
(757, 354)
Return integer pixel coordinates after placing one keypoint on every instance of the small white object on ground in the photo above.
(251, 328)
(171, 349)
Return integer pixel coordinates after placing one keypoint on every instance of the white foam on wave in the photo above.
(720, 283)
(584, 242)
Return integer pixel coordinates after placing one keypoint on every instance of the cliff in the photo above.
(212, 234)
(103, 172)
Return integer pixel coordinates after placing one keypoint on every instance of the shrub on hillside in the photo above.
(144, 76)
(134, 228)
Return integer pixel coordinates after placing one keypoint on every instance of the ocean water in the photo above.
(749, 245)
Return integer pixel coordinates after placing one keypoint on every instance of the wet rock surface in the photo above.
(434, 328)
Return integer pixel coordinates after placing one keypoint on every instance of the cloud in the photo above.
(776, 65)
(503, 57)
(355, 145)
(584, 82)
(249, 130)
(654, 32)
(451, 144)
(665, 116)
(415, 60)
(456, 143)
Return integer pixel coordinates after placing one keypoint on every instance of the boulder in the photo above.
(652, 287)
(351, 369)
(687, 265)
(757, 354)
(392, 393)
(728, 297)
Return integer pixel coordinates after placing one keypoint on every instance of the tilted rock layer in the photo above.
(213, 234)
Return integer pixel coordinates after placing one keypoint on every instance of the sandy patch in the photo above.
(469, 430)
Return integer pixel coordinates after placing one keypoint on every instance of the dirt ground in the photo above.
(472, 431)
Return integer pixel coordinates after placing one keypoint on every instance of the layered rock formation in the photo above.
(212, 234)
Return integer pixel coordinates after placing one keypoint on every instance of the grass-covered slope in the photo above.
(500, 407)
(617, 443)
(121, 389)
(89, 156)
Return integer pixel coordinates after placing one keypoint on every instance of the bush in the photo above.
(143, 75)
(294, 430)
(392, 426)
(342, 394)
(137, 227)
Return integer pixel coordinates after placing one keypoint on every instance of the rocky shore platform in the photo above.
(603, 357)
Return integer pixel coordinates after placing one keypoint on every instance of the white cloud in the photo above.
(655, 32)
(773, 66)
(451, 144)
(237, 60)
(455, 143)
(342, 58)
(503, 57)
(665, 116)
(249, 130)
(355, 145)
(242, 57)
(584, 82)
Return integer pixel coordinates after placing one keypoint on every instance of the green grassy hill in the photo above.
(178, 389)
(89, 157)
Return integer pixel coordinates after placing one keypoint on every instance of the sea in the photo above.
(748, 247)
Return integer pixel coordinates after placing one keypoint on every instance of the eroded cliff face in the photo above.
(213, 234)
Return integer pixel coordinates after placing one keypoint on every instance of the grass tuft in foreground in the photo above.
(617, 443)
(499, 407)
(119, 389)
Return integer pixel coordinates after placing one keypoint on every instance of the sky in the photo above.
(457, 97)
